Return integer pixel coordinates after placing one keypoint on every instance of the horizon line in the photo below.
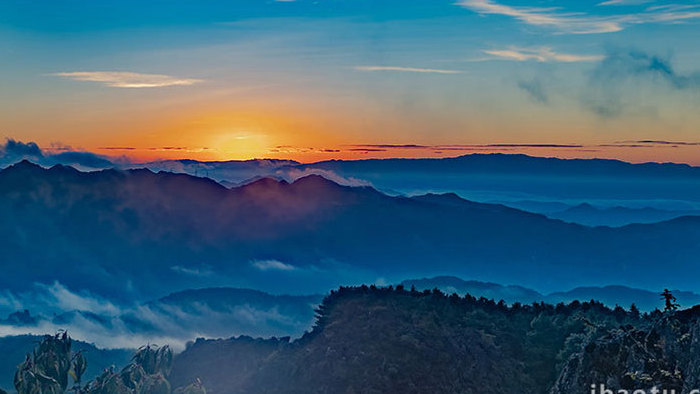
(130, 165)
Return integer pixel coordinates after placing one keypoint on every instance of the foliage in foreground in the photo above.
(52, 364)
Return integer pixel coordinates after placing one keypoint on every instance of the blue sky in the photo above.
(307, 79)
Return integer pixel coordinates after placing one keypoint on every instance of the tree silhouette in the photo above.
(47, 368)
(634, 311)
(670, 300)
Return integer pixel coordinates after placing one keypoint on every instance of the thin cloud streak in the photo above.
(272, 265)
(625, 2)
(575, 23)
(407, 69)
(458, 146)
(123, 79)
(662, 142)
(541, 54)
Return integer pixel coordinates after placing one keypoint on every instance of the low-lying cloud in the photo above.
(14, 151)
(294, 174)
(176, 321)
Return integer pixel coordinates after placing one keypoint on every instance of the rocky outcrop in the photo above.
(663, 353)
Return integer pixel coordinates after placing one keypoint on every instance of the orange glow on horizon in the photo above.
(298, 131)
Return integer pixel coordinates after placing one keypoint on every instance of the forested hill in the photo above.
(369, 339)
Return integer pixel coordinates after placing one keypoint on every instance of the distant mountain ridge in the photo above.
(164, 232)
(616, 216)
(470, 163)
(474, 162)
(513, 163)
(492, 291)
(611, 296)
(509, 179)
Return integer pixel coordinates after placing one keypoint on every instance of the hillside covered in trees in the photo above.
(378, 340)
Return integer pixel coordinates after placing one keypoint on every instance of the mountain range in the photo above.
(477, 163)
(534, 184)
(137, 234)
(591, 192)
(590, 215)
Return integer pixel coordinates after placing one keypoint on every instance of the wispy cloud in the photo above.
(625, 2)
(576, 23)
(123, 79)
(204, 270)
(540, 54)
(391, 146)
(272, 265)
(116, 148)
(673, 13)
(582, 23)
(407, 69)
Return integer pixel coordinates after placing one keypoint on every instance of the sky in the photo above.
(344, 79)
